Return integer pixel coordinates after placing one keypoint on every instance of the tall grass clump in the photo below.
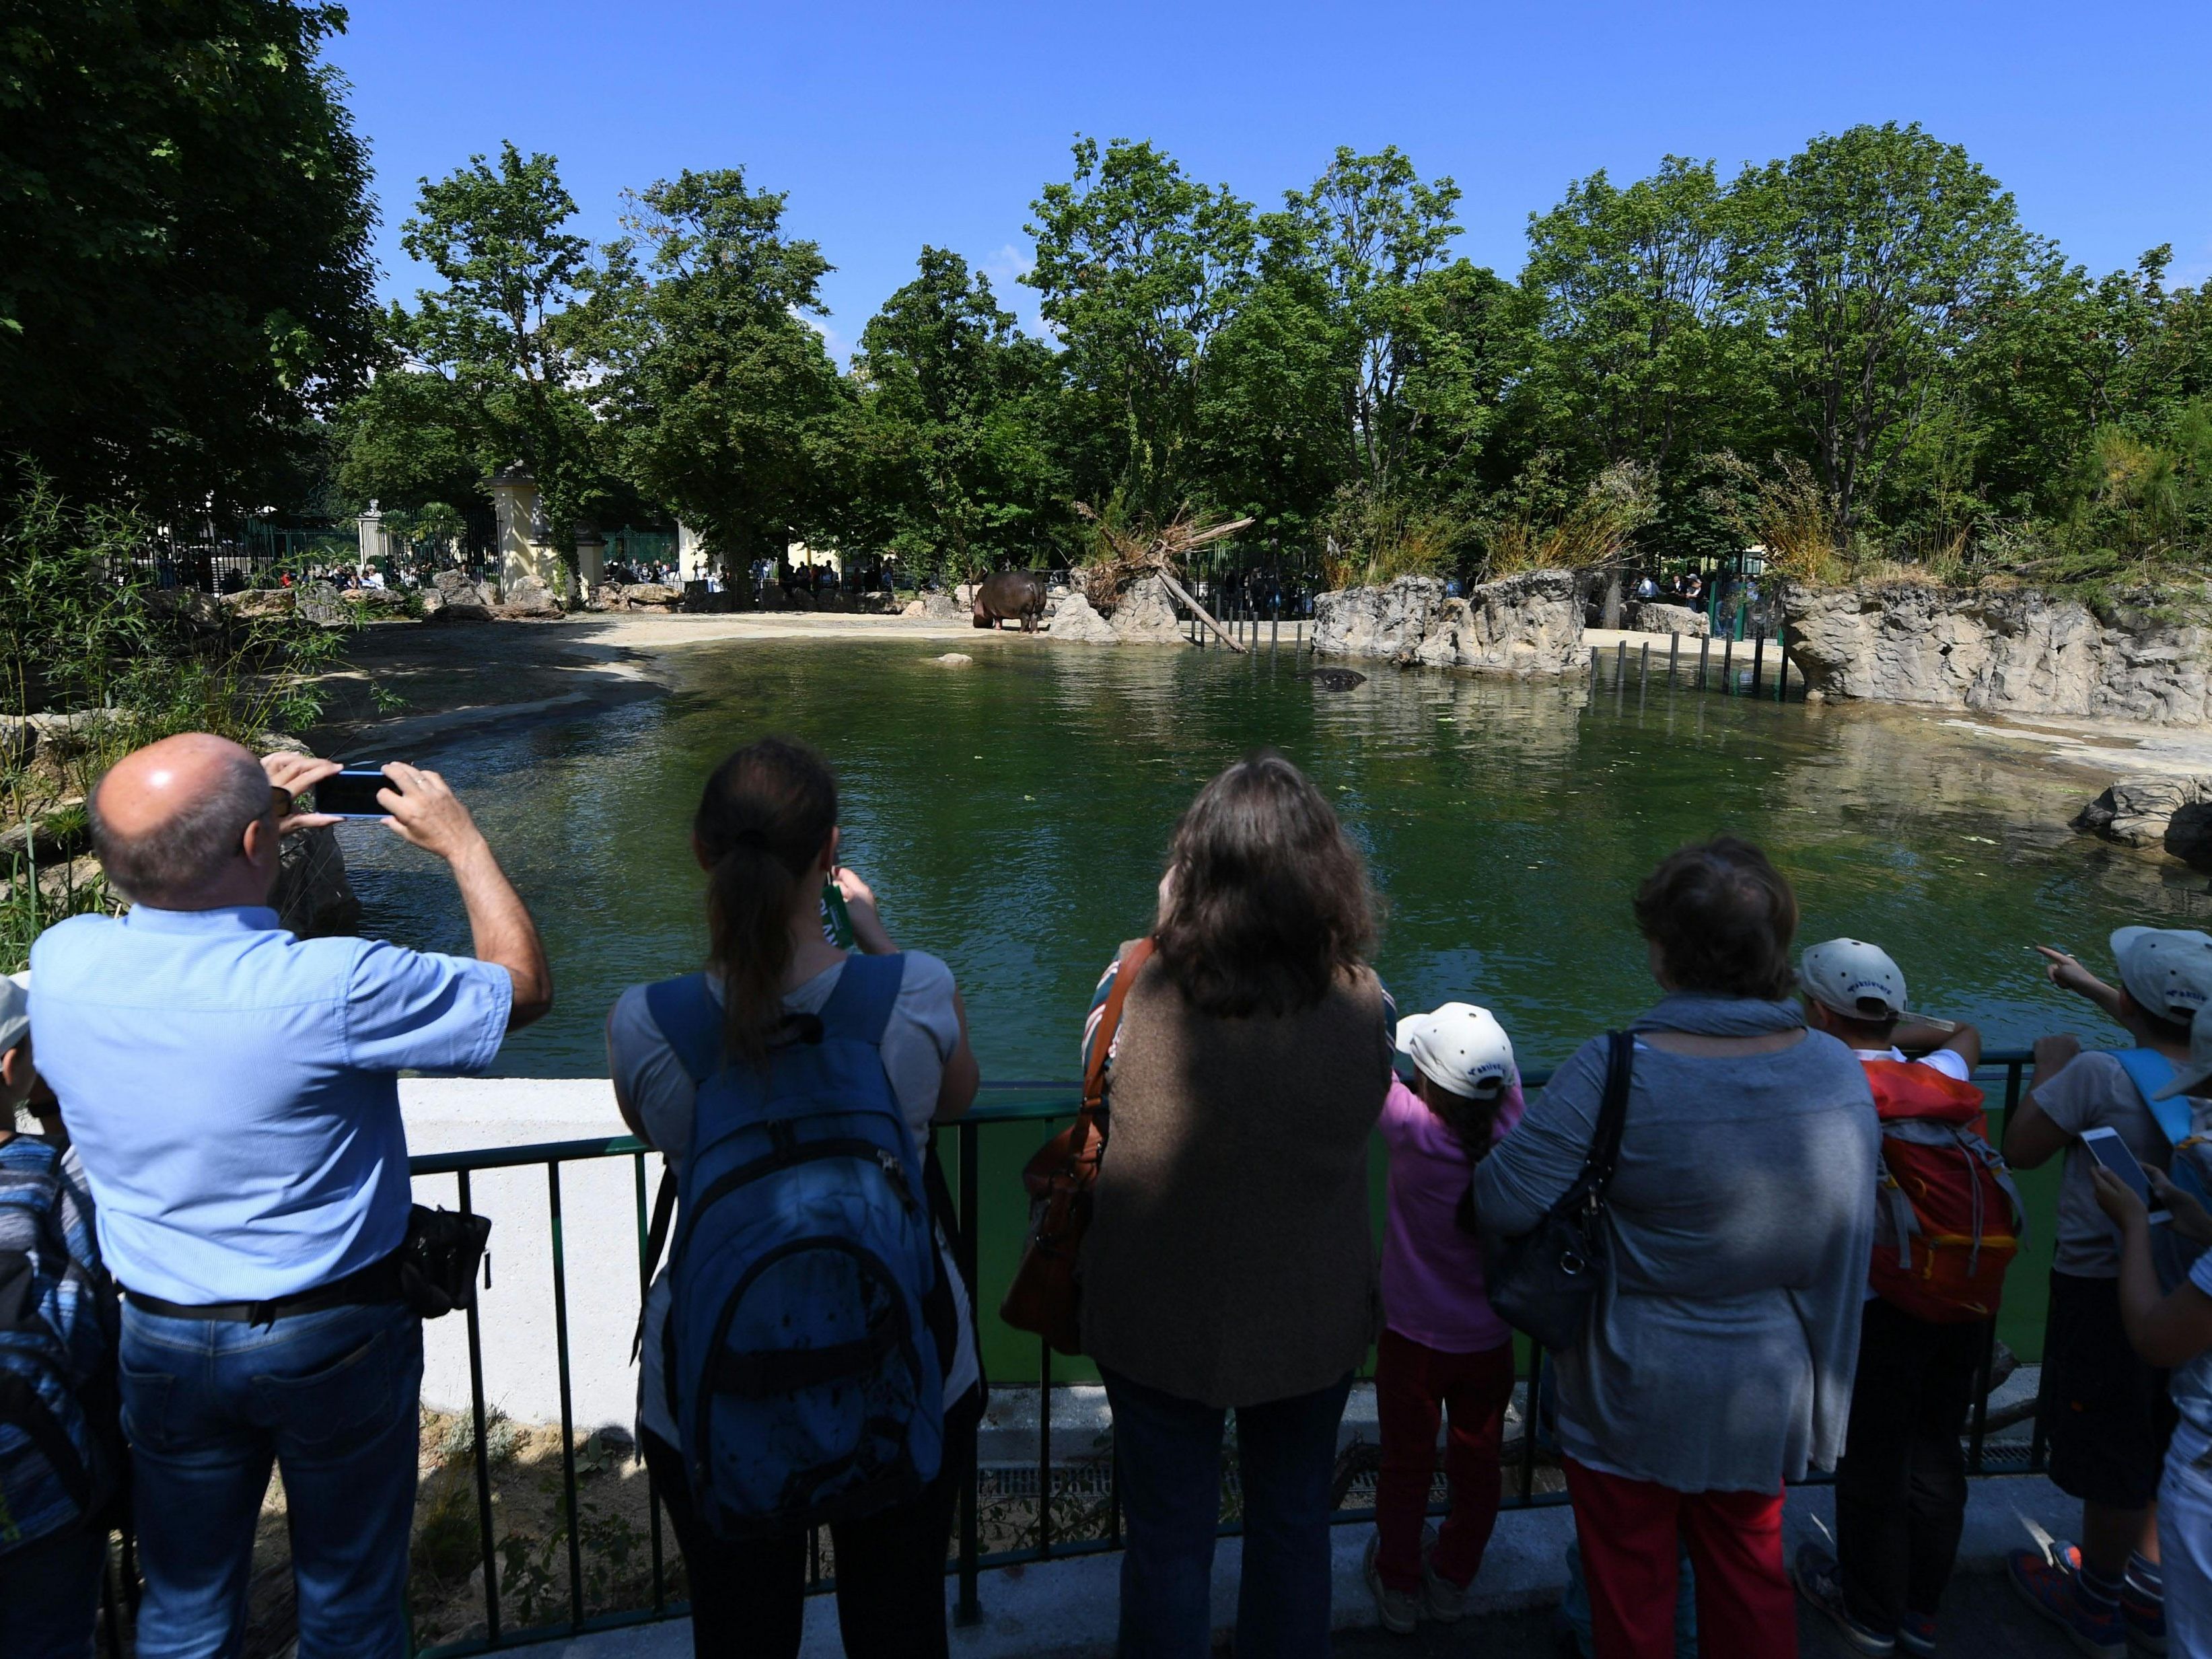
(1589, 529)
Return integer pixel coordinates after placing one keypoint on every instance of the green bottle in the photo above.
(837, 919)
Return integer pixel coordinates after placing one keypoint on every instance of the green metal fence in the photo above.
(1029, 1111)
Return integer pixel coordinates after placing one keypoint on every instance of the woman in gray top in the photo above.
(1718, 1360)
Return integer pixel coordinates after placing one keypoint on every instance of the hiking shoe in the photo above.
(1399, 1610)
(2048, 1586)
(1916, 1633)
(1818, 1581)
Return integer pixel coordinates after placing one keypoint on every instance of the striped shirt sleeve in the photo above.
(1098, 1012)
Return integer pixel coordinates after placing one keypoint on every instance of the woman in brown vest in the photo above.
(1229, 1264)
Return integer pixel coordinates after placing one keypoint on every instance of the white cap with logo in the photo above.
(2168, 971)
(1859, 981)
(1459, 1048)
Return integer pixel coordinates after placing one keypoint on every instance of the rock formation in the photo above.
(637, 596)
(1657, 616)
(1146, 614)
(2156, 815)
(322, 603)
(2018, 652)
(1528, 624)
(1073, 618)
(935, 607)
(526, 597)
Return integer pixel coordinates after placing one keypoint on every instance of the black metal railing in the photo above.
(1006, 1109)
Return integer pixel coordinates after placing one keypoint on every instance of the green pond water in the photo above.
(1012, 815)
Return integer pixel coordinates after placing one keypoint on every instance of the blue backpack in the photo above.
(60, 1445)
(2151, 1071)
(803, 1372)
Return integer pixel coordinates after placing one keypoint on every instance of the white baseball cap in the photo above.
(1859, 981)
(1459, 1047)
(14, 1010)
(2168, 971)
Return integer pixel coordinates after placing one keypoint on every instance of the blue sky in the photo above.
(894, 126)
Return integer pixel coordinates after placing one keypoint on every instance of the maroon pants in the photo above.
(1413, 1386)
(1632, 1533)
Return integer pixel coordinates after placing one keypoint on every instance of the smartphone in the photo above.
(352, 793)
(2110, 1150)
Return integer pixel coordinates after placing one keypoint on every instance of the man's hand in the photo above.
(292, 774)
(2189, 1217)
(426, 812)
(2118, 1200)
(2055, 1052)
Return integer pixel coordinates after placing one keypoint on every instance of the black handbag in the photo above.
(438, 1260)
(1543, 1281)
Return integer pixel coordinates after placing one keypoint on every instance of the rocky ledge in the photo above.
(2020, 652)
(2155, 815)
(1526, 624)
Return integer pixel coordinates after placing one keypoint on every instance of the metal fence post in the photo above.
(969, 1609)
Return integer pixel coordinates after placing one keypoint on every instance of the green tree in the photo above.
(500, 364)
(728, 404)
(953, 413)
(1871, 258)
(1632, 305)
(184, 277)
(1139, 268)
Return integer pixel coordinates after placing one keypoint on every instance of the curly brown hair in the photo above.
(1722, 917)
(1267, 900)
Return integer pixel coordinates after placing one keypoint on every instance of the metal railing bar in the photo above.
(483, 1443)
(645, 1266)
(970, 1610)
(567, 1405)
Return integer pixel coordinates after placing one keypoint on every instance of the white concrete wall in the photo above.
(599, 1234)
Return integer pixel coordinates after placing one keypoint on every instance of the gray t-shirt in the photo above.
(2094, 1092)
(923, 1032)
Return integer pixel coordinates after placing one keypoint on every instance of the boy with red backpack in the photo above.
(1948, 1225)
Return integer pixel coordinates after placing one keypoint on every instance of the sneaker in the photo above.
(1916, 1633)
(1819, 1584)
(1399, 1610)
(2047, 1585)
(1443, 1600)
(2144, 1620)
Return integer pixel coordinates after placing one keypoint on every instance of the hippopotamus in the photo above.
(1335, 679)
(1019, 593)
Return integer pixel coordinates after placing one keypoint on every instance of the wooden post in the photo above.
(1199, 612)
(1704, 655)
(1781, 662)
(1758, 662)
(1727, 666)
(1673, 656)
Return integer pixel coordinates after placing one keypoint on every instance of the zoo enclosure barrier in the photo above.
(1071, 1507)
(1737, 668)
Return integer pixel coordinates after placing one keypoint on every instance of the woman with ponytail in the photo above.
(766, 834)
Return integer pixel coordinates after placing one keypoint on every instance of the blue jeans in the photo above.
(50, 1595)
(331, 1398)
(1167, 1452)
(2184, 1539)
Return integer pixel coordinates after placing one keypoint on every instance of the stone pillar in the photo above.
(368, 529)
(523, 542)
(591, 561)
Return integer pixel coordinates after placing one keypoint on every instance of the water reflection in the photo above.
(1013, 815)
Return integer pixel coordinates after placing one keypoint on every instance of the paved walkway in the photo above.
(1983, 1617)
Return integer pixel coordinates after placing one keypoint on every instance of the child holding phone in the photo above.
(1444, 1352)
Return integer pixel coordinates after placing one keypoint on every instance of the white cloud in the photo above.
(839, 348)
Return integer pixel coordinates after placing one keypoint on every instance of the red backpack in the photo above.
(1949, 1220)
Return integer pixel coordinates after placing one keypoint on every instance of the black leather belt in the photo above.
(379, 1282)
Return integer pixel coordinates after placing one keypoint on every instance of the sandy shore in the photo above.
(416, 683)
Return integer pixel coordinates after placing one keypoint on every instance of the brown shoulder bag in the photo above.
(1060, 1178)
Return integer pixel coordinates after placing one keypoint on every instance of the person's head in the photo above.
(1462, 1066)
(2166, 977)
(1266, 902)
(766, 834)
(187, 823)
(1718, 918)
(1853, 990)
(16, 1077)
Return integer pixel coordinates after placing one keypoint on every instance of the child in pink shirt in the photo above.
(1444, 1352)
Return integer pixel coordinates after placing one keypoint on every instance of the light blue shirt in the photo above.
(2191, 1384)
(234, 1091)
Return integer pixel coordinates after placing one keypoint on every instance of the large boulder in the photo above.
(2155, 815)
(1657, 616)
(527, 599)
(454, 587)
(324, 605)
(2017, 651)
(1146, 615)
(197, 612)
(1073, 618)
(255, 604)
(1528, 624)
(936, 608)
(639, 596)
(312, 897)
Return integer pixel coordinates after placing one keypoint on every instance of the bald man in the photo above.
(233, 1093)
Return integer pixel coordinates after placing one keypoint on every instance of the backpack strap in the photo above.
(860, 1005)
(2151, 1071)
(690, 1018)
(1130, 969)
